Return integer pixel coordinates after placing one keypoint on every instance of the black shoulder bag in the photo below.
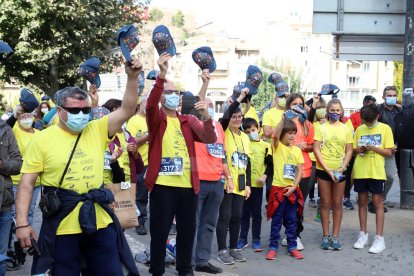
(50, 203)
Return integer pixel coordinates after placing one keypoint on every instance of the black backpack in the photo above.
(404, 128)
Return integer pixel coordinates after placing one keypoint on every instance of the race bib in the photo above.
(370, 140)
(216, 150)
(125, 185)
(171, 166)
(107, 160)
(239, 160)
(289, 171)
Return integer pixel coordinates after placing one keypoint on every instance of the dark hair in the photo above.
(291, 98)
(248, 123)
(70, 92)
(40, 105)
(389, 88)
(369, 98)
(288, 126)
(369, 113)
(112, 104)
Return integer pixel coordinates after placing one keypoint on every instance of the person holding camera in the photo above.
(69, 158)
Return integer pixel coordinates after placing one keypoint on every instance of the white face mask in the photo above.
(26, 123)
(44, 110)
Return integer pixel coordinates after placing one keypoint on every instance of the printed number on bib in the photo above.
(215, 150)
(289, 171)
(107, 160)
(239, 160)
(171, 166)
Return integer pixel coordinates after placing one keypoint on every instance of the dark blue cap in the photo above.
(127, 38)
(98, 112)
(329, 89)
(281, 88)
(163, 41)
(90, 71)
(254, 78)
(152, 75)
(275, 78)
(204, 58)
(5, 49)
(28, 101)
(45, 98)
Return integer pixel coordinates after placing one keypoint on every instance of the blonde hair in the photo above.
(331, 103)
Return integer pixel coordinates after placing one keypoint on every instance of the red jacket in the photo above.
(276, 196)
(355, 119)
(192, 131)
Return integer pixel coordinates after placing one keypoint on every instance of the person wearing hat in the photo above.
(28, 103)
(172, 175)
(82, 225)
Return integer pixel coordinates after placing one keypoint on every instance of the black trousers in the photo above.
(165, 203)
(141, 197)
(229, 220)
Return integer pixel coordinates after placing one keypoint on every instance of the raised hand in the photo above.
(133, 68)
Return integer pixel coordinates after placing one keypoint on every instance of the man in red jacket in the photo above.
(172, 176)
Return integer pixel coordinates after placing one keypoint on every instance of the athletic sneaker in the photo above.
(237, 255)
(348, 204)
(378, 246)
(271, 254)
(284, 242)
(326, 243)
(312, 203)
(241, 245)
(299, 244)
(362, 240)
(296, 254)
(256, 246)
(335, 244)
(224, 257)
(388, 204)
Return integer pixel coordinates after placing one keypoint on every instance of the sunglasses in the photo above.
(76, 110)
(387, 88)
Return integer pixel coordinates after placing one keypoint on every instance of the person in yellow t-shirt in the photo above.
(83, 225)
(333, 151)
(24, 132)
(373, 142)
(285, 194)
(261, 167)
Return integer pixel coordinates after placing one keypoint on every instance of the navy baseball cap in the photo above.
(45, 98)
(281, 88)
(275, 78)
(5, 49)
(254, 78)
(28, 101)
(204, 58)
(127, 38)
(329, 89)
(163, 41)
(152, 75)
(90, 71)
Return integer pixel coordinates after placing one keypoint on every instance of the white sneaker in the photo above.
(378, 246)
(362, 240)
(299, 245)
(284, 242)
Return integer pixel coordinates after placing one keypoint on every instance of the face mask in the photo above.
(77, 122)
(44, 110)
(291, 114)
(254, 136)
(211, 112)
(171, 101)
(390, 100)
(334, 116)
(281, 102)
(26, 123)
(320, 113)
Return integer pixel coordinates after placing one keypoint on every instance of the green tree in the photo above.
(398, 77)
(178, 20)
(156, 15)
(52, 38)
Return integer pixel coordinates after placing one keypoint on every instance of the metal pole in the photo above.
(406, 155)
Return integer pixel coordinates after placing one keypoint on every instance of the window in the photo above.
(353, 81)
(303, 49)
(366, 66)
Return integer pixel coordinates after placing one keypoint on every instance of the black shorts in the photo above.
(373, 186)
(321, 174)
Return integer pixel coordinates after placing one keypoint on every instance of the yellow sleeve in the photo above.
(318, 133)
(33, 160)
(267, 120)
(101, 127)
(350, 126)
(356, 138)
(132, 126)
(269, 149)
(349, 138)
(388, 138)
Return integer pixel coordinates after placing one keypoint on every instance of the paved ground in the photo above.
(397, 259)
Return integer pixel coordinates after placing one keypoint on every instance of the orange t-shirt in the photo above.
(300, 138)
(210, 157)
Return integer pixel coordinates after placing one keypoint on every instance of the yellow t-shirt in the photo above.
(372, 165)
(237, 150)
(259, 150)
(285, 162)
(137, 126)
(316, 125)
(334, 139)
(252, 113)
(23, 139)
(123, 160)
(175, 168)
(272, 117)
(48, 154)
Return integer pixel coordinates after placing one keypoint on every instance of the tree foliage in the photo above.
(51, 38)
(178, 20)
(398, 77)
(156, 15)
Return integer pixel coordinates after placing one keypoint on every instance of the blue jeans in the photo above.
(5, 225)
(285, 212)
(32, 207)
(252, 208)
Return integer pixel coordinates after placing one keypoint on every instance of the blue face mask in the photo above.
(254, 136)
(171, 101)
(211, 112)
(334, 116)
(390, 100)
(289, 114)
(77, 122)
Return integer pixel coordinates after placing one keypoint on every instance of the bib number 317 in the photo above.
(171, 166)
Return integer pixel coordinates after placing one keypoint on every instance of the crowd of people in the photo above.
(199, 176)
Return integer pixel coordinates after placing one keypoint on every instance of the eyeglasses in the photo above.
(76, 110)
(168, 92)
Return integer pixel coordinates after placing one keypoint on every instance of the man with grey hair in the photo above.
(69, 157)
